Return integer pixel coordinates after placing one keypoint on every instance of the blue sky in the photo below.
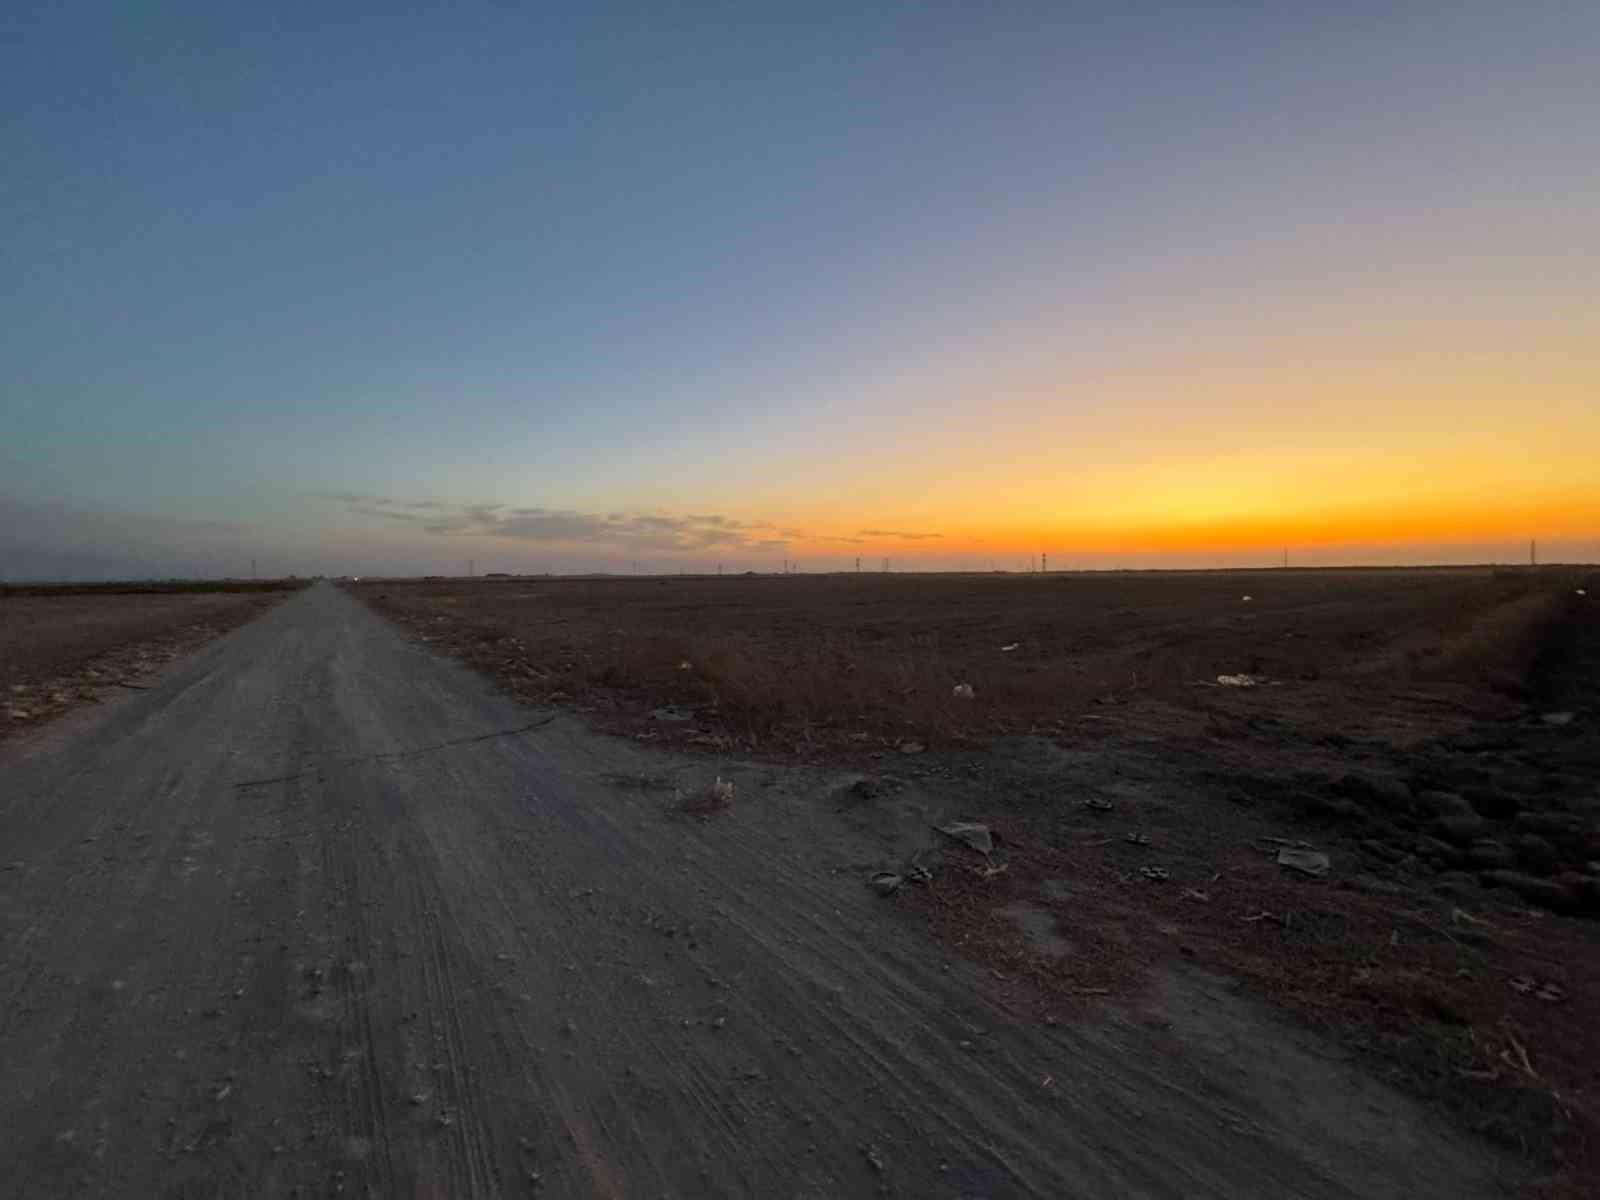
(808, 270)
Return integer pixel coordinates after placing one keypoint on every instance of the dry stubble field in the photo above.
(1407, 723)
(64, 645)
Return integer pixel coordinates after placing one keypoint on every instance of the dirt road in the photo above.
(323, 914)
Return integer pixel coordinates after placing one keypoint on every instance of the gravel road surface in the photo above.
(322, 914)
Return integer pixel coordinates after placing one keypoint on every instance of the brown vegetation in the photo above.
(1398, 728)
(62, 645)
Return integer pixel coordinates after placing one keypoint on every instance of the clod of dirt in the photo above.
(962, 691)
(868, 789)
(1098, 804)
(911, 747)
(969, 833)
(887, 883)
(1307, 862)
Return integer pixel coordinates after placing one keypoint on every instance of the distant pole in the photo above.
(1533, 553)
(472, 567)
(1044, 564)
(885, 566)
(719, 568)
(858, 564)
(252, 568)
(1286, 558)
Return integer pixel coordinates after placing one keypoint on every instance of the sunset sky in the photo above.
(388, 288)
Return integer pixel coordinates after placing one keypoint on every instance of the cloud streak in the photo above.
(637, 532)
(898, 535)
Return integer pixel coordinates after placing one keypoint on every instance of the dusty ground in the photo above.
(62, 646)
(1401, 730)
(322, 914)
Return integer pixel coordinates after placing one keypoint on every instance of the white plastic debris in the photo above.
(1247, 599)
(1245, 681)
(1581, 592)
(685, 665)
(722, 791)
(1010, 648)
(962, 691)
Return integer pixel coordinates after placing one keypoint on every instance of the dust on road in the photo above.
(324, 912)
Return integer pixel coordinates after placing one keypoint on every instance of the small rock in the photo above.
(887, 883)
(1307, 862)
(911, 747)
(867, 789)
(969, 833)
(962, 691)
(1558, 718)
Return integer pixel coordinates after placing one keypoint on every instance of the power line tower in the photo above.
(1533, 553)
(1044, 564)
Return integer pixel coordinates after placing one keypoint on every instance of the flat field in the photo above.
(67, 644)
(1434, 733)
(802, 661)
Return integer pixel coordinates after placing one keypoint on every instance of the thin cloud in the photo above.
(899, 535)
(637, 532)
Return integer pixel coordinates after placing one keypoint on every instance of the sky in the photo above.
(392, 288)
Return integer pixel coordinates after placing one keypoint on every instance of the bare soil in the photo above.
(321, 913)
(66, 645)
(1408, 724)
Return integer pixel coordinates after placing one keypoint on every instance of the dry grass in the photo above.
(820, 661)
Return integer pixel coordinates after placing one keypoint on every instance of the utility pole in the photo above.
(1044, 564)
(1286, 558)
(858, 564)
(885, 566)
(1533, 553)
(252, 568)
